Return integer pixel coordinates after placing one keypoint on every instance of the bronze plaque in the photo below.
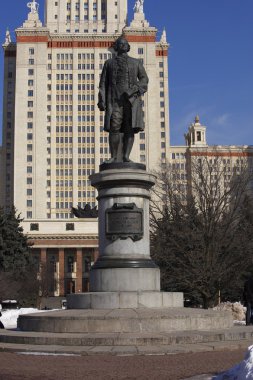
(123, 221)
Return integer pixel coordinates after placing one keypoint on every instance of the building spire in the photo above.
(197, 119)
(164, 37)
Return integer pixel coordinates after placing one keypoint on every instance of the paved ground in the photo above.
(16, 366)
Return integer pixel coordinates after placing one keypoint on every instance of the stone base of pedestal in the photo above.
(125, 280)
(124, 300)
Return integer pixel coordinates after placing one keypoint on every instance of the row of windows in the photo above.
(64, 57)
(64, 161)
(85, 172)
(63, 172)
(63, 77)
(87, 140)
(66, 183)
(84, 161)
(63, 205)
(86, 194)
(85, 87)
(62, 140)
(65, 66)
(62, 194)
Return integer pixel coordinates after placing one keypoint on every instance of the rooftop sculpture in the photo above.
(34, 6)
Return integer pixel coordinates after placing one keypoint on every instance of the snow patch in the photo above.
(242, 371)
(9, 317)
(45, 354)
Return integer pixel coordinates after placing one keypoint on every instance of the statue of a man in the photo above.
(138, 8)
(34, 6)
(123, 82)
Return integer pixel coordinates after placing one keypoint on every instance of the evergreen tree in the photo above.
(16, 264)
(14, 246)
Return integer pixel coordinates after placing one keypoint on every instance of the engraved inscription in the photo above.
(122, 222)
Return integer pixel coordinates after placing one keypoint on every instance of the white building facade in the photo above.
(53, 136)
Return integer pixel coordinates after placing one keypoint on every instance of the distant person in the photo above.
(248, 300)
(1, 324)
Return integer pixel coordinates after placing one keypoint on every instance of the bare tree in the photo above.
(201, 229)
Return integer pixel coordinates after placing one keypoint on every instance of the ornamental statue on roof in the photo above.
(138, 8)
(7, 37)
(34, 6)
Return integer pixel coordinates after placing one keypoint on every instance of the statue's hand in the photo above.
(101, 106)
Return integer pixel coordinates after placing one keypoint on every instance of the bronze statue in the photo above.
(123, 82)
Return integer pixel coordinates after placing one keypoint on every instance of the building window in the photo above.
(29, 215)
(34, 227)
(70, 264)
(30, 93)
(31, 61)
(31, 51)
(29, 192)
(30, 72)
(142, 146)
(70, 226)
(29, 203)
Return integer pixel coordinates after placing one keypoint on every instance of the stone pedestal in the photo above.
(124, 275)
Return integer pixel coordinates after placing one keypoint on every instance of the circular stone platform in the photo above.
(126, 321)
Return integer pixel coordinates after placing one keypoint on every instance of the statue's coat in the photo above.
(138, 85)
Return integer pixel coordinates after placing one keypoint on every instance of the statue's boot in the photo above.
(114, 141)
(128, 142)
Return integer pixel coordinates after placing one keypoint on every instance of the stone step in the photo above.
(148, 340)
(126, 350)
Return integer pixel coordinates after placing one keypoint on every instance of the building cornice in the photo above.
(223, 151)
(61, 237)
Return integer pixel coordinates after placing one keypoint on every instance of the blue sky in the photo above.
(210, 62)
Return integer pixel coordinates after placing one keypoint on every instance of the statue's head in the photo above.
(121, 45)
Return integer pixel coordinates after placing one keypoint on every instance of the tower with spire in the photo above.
(196, 136)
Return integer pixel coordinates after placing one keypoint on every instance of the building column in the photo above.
(96, 254)
(90, 16)
(79, 270)
(99, 16)
(61, 272)
(43, 257)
